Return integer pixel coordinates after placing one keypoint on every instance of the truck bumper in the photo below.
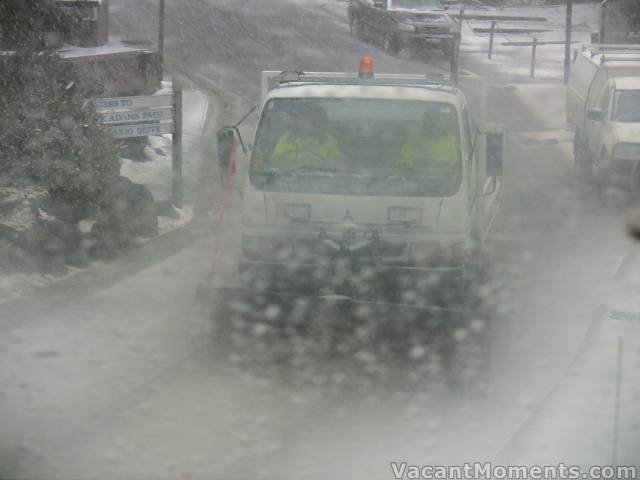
(425, 40)
(407, 285)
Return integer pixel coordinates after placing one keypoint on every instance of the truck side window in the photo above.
(604, 101)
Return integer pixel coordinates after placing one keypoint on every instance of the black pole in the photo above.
(161, 34)
(616, 414)
(493, 27)
(603, 22)
(534, 48)
(567, 41)
(176, 152)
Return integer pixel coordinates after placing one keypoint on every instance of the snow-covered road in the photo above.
(124, 381)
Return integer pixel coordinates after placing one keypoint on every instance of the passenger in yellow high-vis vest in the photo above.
(436, 146)
(308, 141)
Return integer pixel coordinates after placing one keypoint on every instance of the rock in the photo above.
(134, 148)
(132, 208)
(71, 213)
(143, 210)
(166, 209)
(106, 238)
(50, 243)
(129, 212)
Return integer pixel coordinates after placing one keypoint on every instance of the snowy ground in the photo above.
(516, 61)
(125, 383)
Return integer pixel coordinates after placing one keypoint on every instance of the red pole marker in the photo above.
(228, 181)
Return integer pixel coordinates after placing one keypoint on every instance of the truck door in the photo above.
(470, 169)
(594, 128)
(485, 190)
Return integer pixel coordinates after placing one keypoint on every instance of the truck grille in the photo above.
(429, 30)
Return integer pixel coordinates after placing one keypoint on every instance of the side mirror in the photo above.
(596, 115)
(225, 141)
(495, 152)
(379, 4)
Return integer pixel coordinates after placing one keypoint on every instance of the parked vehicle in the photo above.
(603, 106)
(396, 24)
(368, 196)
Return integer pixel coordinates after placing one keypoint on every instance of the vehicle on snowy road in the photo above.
(603, 106)
(396, 24)
(368, 197)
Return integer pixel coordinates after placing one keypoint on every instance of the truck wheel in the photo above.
(583, 161)
(391, 44)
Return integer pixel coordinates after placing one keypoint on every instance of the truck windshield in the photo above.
(627, 106)
(358, 147)
(417, 4)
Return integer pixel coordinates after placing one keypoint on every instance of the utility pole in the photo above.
(603, 22)
(567, 41)
(161, 35)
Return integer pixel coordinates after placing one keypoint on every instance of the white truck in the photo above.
(603, 107)
(351, 226)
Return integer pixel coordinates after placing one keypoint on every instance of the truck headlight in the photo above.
(406, 27)
(627, 150)
(266, 248)
(404, 214)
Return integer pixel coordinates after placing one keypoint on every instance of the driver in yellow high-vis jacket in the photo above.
(308, 141)
(435, 146)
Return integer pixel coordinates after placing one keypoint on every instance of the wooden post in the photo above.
(176, 152)
(493, 27)
(534, 47)
(567, 40)
(161, 34)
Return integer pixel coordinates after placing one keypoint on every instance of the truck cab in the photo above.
(351, 212)
(613, 125)
(603, 107)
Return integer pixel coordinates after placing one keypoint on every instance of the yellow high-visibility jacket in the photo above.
(422, 150)
(293, 149)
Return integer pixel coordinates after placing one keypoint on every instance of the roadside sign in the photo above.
(133, 103)
(141, 129)
(157, 115)
(147, 115)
